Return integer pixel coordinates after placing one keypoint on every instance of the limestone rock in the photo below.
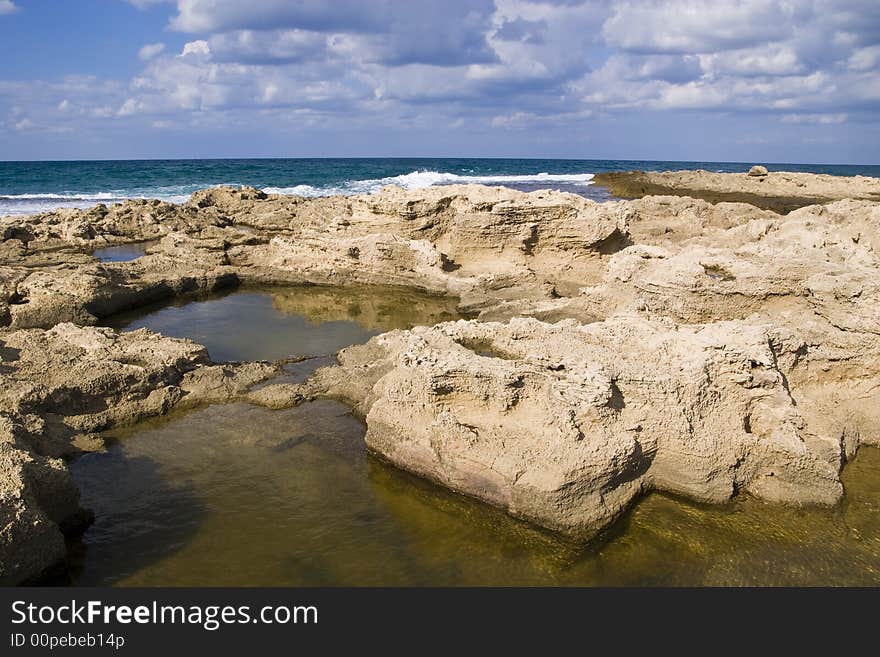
(57, 386)
(780, 191)
(719, 334)
(37, 497)
(565, 424)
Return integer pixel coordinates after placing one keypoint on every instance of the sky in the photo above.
(712, 80)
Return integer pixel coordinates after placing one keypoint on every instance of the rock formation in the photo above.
(779, 191)
(666, 343)
(758, 171)
(60, 386)
(564, 424)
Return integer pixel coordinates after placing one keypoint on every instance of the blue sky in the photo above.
(744, 80)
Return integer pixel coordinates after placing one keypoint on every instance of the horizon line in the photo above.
(424, 157)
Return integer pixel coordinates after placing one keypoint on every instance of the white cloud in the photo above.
(513, 61)
(268, 47)
(865, 59)
(507, 64)
(203, 16)
(129, 107)
(825, 119)
(695, 26)
(150, 50)
(776, 59)
(507, 58)
(198, 48)
(7, 7)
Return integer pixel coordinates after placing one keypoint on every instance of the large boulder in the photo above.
(566, 424)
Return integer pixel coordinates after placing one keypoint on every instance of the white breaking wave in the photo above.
(59, 196)
(422, 179)
(23, 204)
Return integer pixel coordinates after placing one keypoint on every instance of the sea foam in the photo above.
(22, 204)
(422, 179)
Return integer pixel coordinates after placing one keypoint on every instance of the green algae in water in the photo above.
(236, 494)
(271, 323)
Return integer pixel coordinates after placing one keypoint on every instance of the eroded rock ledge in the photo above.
(778, 191)
(665, 343)
(564, 424)
(60, 386)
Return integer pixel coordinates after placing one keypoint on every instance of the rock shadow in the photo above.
(140, 517)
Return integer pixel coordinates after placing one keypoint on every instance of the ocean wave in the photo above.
(304, 190)
(422, 179)
(31, 203)
(98, 196)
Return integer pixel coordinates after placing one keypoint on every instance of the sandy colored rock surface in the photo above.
(57, 386)
(482, 244)
(565, 424)
(780, 191)
(664, 343)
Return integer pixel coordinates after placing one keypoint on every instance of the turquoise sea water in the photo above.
(28, 187)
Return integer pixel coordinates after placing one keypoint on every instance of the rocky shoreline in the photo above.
(780, 191)
(667, 343)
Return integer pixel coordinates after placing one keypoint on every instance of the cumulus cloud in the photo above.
(392, 32)
(269, 47)
(202, 16)
(865, 59)
(696, 26)
(7, 7)
(511, 60)
(196, 49)
(502, 64)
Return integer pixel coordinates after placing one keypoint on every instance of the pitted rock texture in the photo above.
(780, 191)
(58, 387)
(564, 424)
(705, 346)
(485, 245)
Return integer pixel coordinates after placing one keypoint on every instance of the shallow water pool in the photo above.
(271, 323)
(236, 494)
(122, 252)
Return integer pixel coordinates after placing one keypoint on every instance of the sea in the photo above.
(31, 187)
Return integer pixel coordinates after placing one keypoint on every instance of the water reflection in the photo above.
(270, 323)
(122, 252)
(240, 495)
